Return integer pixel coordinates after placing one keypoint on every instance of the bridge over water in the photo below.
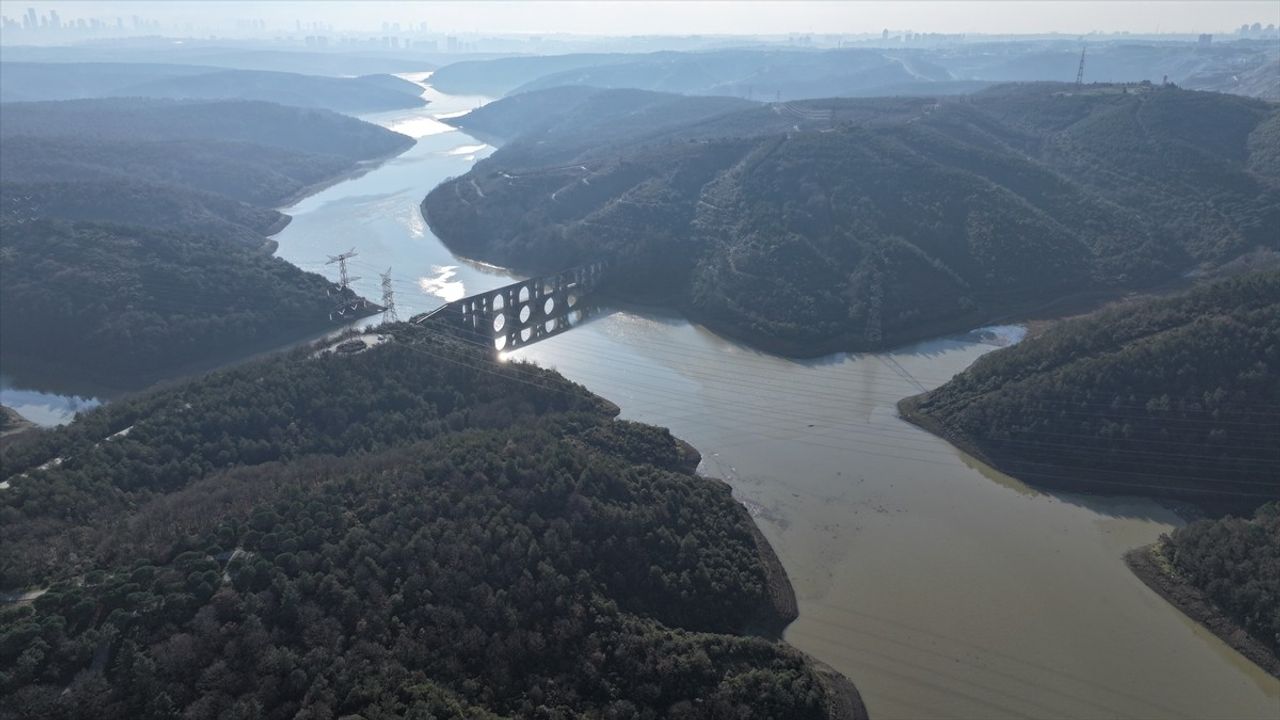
(524, 312)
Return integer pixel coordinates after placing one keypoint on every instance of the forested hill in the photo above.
(857, 224)
(133, 241)
(27, 82)
(413, 531)
(1175, 397)
(302, 130)
(120, 306)
(1235, 563)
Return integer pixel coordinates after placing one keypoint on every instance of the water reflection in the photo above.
(379, 214)
(442, 284)
(942, 587)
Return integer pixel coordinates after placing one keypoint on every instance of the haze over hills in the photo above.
(857, 224)
(226, 56)
(764, 73)
(70, 81)
(396, 521)
(134, 230)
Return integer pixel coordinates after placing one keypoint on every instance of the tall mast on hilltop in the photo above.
(1080, 70)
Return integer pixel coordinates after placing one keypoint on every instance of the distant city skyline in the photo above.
(646, 17)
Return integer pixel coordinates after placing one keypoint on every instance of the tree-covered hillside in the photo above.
(121, 303)
(1175, 397)
(413, 531)
(1235, 561)
(855, 224)
(133, 240)
(128, 201)
(301, 130)
(27, 82)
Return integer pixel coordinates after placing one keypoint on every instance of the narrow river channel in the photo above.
(942, 588)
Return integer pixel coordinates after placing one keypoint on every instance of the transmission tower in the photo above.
(388, 297)
(1080, 70)
(344, 280)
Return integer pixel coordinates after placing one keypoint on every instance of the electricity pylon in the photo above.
(388, 297)
(344, 280)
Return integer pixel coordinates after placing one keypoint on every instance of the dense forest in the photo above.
(28, 82)
(126, 201)
(114, 302)
(413, 531)
(855, 224)
(1235, 561)
(133, 232)
(1175, 397)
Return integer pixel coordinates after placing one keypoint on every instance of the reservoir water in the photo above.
(43, 407)
(942, 588)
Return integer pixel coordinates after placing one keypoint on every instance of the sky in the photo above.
(648, 17)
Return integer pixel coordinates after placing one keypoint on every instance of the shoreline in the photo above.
(361, 167)
(108, 389)
(844, 701)
(1036, 314)
(1186, 503)
(1146, 562)
(1150, 566)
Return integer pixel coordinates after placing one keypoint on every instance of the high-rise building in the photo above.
(55, 22)
(29, 20)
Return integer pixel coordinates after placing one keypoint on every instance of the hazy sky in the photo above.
(641, 17)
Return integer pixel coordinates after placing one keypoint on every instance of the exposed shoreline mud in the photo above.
(844, 702)
(1187, 503)
(1149, 565)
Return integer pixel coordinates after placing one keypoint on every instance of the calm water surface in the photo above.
(943, 588)
(40, 407)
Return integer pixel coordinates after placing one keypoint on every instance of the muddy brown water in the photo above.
(942, 588)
